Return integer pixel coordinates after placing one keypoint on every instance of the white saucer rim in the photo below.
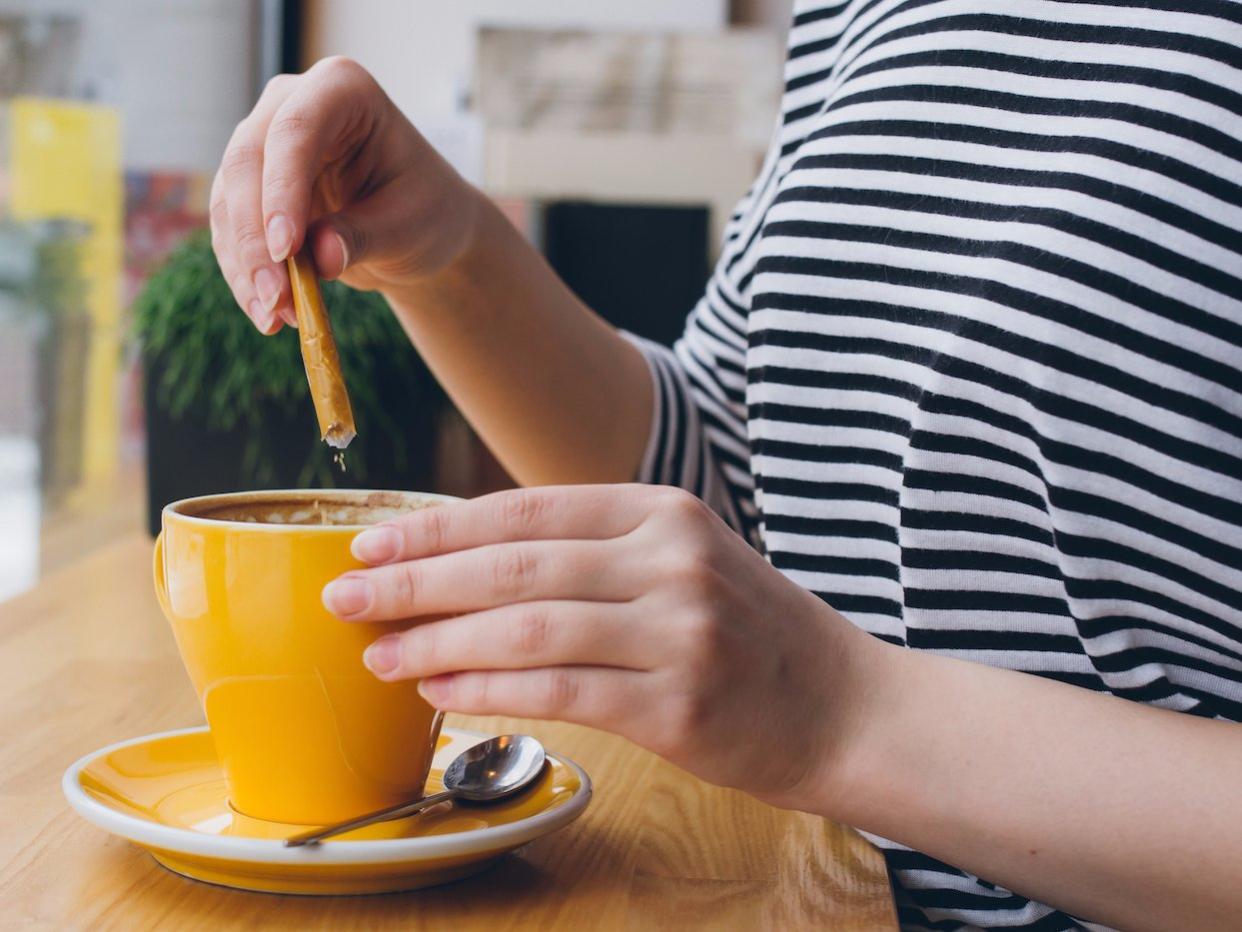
(184, 841)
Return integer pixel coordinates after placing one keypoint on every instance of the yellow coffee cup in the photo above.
(304, 732)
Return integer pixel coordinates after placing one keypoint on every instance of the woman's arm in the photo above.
(556, 392)
(1114, 811)
(634, 609)
(326, 158)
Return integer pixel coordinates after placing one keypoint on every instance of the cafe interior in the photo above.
(113, 118)
(856, 554)
(613, 137)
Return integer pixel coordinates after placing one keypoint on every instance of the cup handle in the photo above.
(161, 584)
(436, 721)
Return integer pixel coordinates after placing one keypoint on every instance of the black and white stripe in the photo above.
(970, 365)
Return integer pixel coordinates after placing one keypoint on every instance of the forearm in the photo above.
(556, 392)
(327, 163)
(1116, 812)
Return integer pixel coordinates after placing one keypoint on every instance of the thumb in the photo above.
(371, 228)
(330, 247)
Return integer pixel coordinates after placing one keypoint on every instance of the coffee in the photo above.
(334, 508)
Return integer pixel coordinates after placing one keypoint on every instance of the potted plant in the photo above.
(228, 409)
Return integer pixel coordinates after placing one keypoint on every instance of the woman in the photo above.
(967, 374)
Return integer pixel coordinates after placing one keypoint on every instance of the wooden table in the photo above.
(86, 659)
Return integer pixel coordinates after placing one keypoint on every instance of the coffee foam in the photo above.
(332, 508)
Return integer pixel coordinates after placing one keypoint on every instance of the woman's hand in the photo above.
(326, 157)
(636, 610)
(628, 608)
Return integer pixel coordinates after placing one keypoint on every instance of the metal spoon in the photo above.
(487, 772)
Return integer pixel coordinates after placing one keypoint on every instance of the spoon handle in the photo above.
(314, 836)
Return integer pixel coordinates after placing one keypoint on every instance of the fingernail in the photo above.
(340, 241)
(279, 237)
(436, 689)
(261, 316)
(264, 319)
(377, 545)
(268, 286)
(382, 656)
(348, 595)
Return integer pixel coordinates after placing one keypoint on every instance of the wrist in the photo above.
(477, 221)
(850, 777)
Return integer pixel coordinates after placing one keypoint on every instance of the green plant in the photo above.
(42, 265)
(214, 364)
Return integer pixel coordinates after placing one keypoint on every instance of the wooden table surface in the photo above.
(86, 659)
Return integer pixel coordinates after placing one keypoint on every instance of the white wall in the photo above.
(422, 51)
(180, 71)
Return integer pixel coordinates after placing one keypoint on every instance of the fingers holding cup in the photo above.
(599, 697)
(526, 635)
(485, 577)
(551, 513)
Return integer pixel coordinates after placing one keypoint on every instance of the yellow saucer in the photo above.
(166, 793)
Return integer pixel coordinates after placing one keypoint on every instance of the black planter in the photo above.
(186, 457)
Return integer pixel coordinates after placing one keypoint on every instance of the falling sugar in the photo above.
(339, 458)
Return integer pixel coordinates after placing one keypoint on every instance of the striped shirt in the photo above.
(969, 365)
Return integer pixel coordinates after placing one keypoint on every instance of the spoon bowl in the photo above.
(495, 768)
(487, 772)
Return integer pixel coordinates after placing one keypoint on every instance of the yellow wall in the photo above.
(65, 162)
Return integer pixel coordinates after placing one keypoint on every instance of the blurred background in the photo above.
(617, 136)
